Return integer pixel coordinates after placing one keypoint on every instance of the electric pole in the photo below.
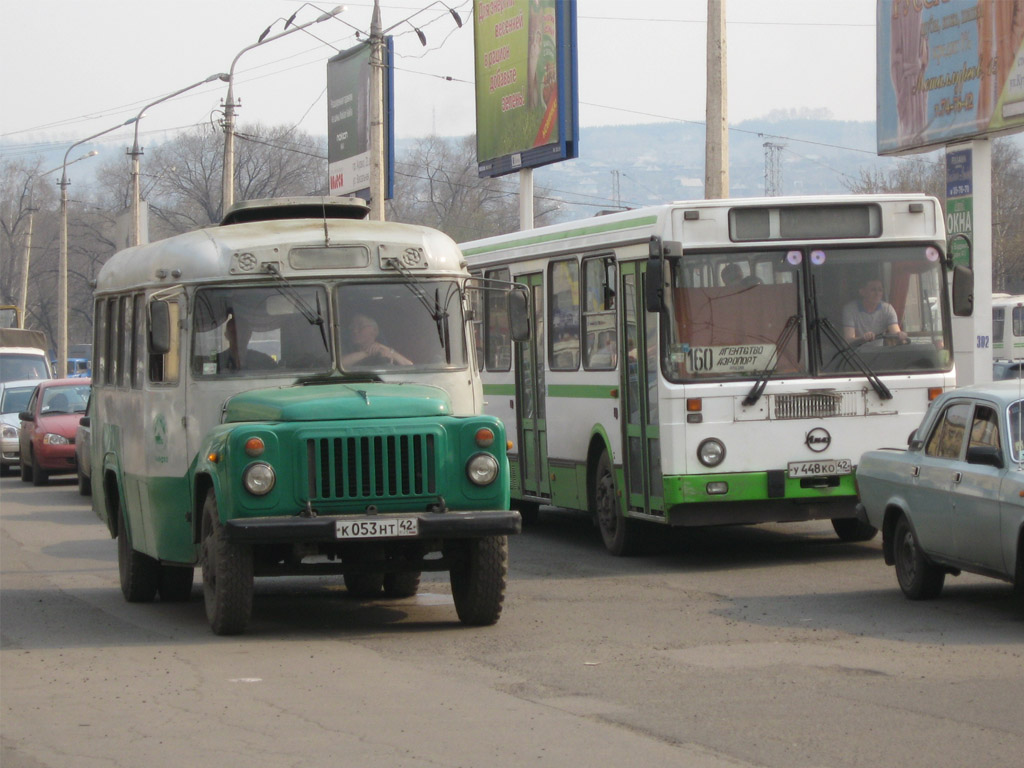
(716, 152)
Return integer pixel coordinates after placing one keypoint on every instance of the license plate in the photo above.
(820, 468)
(384, 528)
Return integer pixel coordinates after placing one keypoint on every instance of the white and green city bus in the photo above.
(292, 392)
(690, 364)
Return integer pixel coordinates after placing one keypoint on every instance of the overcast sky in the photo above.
(72, 68)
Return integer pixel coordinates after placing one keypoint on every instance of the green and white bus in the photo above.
(692, 364)
(292, 392)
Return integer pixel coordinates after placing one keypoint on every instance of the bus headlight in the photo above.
(259, 479)
(711, 452)
(482, 469)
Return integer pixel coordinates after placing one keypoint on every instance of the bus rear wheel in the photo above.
(227, 575)
(620, 534)
(478, 579)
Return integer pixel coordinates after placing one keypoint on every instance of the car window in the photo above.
(1015, 418)
(984, 428)
(948, 435)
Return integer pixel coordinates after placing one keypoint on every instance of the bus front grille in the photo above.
(815, 405)
(372, 467)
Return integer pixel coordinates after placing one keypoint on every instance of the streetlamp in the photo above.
(228, 178)
(62, 270)
(136, 153)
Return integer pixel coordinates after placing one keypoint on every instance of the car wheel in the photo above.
(918, 577)
(851, 529)
(621, 535)
(84, 484)
(4, 470)
(139, 573)
(227, 575)
(478, 579)
(39, 475)
(26, 471)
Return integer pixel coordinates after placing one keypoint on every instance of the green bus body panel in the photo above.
(583, 391)
(747, 486)
(500, 389)
(331, 402)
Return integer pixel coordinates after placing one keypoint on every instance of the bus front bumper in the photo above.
(460, 524)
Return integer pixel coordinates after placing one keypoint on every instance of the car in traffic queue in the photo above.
(14, 397)
(83, 464)
(954, 499)
(46, 442)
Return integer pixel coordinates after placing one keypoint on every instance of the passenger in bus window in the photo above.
(869, 317)
(238, 356)
(731, 274)
(363, 333)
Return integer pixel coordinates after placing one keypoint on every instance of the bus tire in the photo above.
(850, 529)
(621, 535)
(176, 583)
(139, 573)
(227, 575)
(364, 586)
(478, 579)
(403, 584)
(918, 577)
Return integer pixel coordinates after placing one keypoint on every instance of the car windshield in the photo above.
(65, 399)
(15, 366)
(1015, 415)
(15, 399)
(813, 311)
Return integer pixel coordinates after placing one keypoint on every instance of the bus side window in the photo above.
(165, 368)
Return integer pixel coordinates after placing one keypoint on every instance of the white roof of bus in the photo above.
(205, 254)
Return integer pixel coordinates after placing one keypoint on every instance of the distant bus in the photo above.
(292, 392)
(1007, 327)
(690, 364)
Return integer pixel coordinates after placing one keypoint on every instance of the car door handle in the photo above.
(915, 471)
(957, 477)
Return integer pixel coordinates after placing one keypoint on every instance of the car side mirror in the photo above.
(84, 421)
(985, 455)
(26, 416)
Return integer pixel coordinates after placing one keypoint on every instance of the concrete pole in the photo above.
(62, 282)
(26, 260)
(716, 154)
(227, 181)
(526, 198)
(376, 116)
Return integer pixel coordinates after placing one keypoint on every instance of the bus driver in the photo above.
(869, 317)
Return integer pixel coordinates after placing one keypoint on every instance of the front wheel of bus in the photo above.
(139, 573)
(478, 579)
(227, 575)
(621, 535)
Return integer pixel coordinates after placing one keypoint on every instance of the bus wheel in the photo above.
(227, 575)
(852, 529)
(401, 584)
(919, 579)
(364, 586)
(139, 573)
(478, 579)
(621, 535)
(176, 583)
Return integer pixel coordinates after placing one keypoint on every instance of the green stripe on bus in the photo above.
(500, 389)
(642, 221)
(591, 391)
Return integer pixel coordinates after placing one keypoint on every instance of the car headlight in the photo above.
(10, 432)
(711, 452)
(482, 469)
(259, 479)
(51, 439)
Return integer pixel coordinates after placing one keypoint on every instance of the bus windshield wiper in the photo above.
(850, 355)
(773, 362)
(286, 289)
(438, 311)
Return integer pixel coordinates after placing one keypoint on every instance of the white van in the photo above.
(23, 355)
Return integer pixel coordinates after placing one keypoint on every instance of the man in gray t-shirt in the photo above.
(869, 317)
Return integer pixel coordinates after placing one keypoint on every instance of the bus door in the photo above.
(531, 395)
(641, 450)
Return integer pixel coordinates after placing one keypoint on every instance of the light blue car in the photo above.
(954, 500)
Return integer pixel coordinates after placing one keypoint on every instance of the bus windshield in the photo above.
(813, 311)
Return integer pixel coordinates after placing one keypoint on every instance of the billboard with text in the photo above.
(526, 91)
(948, 70)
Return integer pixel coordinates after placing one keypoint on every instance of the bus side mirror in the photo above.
(159, 328)
(963, 291)
(654, 291)
(519, 314)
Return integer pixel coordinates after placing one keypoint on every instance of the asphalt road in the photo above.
(763, 646)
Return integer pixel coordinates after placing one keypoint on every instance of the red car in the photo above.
(47, 438)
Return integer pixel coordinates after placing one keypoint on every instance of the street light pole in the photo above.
(62, 269)
(136, 153)
(376, 116)
(228, 176)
